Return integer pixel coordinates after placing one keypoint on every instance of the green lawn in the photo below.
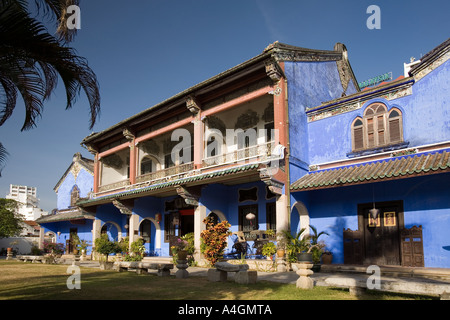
(19, 280)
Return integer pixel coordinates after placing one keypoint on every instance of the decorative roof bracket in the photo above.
(192, 105)
(190, 195)
(124, 206)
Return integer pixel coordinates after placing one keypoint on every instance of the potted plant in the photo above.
(106, 247)
(269, 250)
(295, 245)
(9, 250)
(75, 243)
(179, 249)
(314, 249)
(281, 244)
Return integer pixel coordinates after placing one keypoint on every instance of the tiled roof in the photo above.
(386, 169)
(177, 182)
(64, 215)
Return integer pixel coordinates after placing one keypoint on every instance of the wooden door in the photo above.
(382, 235)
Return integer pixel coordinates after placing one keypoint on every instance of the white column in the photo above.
(41, 238)
(199, 226)
(282, 213)
(134, 228)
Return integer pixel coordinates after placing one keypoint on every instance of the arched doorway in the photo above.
(217, 216)
(113, 230)
(299, 218)
(150, 231)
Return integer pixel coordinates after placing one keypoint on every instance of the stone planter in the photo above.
(304, 257)
(106, 265)
(182, 255)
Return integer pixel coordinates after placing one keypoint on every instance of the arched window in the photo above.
(146, 230)
(147, 165)
(395, 126)
(377, 128)
(74, 196)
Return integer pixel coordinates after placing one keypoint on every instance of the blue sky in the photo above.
(143, 52)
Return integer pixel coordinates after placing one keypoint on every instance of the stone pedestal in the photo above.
(281, 265)
(9, 255)
(215, 275)
(246, 277)
(304, 271)
(182, 273)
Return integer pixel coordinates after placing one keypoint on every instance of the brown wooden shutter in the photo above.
(358, 138)
(394, 130)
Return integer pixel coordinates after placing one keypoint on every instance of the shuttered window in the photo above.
(377, 128)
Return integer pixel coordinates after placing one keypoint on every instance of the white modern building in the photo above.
(29, 203)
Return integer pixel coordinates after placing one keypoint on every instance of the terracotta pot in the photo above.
(9, 250)
(280, 253)
(327, 258)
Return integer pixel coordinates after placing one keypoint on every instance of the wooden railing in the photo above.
(164, 173)
(260, 152)
(113, 186)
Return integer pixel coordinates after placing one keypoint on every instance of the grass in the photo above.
(19, 280)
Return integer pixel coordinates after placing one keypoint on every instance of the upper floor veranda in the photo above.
(238, 117)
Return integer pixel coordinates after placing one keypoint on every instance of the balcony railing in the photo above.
(174, 172)
(259, 152)
(113, 186)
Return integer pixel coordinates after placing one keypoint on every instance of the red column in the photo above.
(198, 140)
(132, 162)
(96, 172)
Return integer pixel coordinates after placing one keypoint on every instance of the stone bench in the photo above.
(242, 274)
(143, 267)
(33, 259)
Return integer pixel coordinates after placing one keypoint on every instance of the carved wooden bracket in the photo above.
(128, 134)
(274, 185)
(124, 206)
(91, 149)
(273, 71)
(190, 195)
(192, 105)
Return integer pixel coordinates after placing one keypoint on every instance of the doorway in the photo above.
(381, 234)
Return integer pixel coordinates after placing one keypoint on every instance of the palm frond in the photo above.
(30, 62)
(3, 157)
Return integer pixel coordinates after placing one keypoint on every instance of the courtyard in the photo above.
(34, 281)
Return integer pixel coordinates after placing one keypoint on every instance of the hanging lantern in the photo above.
(374, 213)
(158, 217)
(250, 216)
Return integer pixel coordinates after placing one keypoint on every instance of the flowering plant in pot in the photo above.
(269, 249)
(179, 249)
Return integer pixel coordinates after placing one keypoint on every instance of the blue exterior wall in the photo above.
(426, 119)
(228, 203)
(84, 182)
(309, 84)
(83, 231)
(426, 202)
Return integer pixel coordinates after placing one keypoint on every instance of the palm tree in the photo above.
(32, 61)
